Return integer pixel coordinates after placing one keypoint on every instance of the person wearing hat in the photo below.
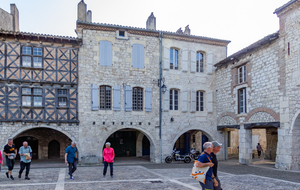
(71, 158)
(216, 149)
(10, 152)
(108, 156)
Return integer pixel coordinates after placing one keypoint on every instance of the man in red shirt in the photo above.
(108, 155)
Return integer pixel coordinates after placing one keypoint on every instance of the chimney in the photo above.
(15, 14)
(81, 13)
(151, 22)
(179, 31)
(187, 30)
(89, 16)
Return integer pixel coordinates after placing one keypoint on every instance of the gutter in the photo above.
(160, 95)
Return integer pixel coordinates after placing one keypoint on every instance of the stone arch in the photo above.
(144, 132)
(263, 109)
(294, 133)
(229, 114)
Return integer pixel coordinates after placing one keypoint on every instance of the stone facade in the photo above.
(9, 21)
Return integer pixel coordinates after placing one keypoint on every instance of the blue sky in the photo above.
(241, 21)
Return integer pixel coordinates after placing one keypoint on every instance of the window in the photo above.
(62, 98)
(174, 96)
(228, 139)
(242, 100)
(200, 101)
(105, 97)
(137, 99)
(242, 74)
(32, 97)
(32, 57)
(122, 33)
(200, 62)
(174, 59)
(138, 51)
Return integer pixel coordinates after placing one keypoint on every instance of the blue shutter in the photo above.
(127, 98)
(94, 97)
(105, 53)
(117, 98)
(148, 98)
(138, 56)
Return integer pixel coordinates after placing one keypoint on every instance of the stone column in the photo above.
(245, 145)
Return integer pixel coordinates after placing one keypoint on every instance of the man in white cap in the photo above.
(108, 155)
(216, 149)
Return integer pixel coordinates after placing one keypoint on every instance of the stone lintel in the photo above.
(262, 125)
(220, 127)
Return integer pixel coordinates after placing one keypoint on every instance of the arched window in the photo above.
(200, 62)
(105, 97)
(200, 101)
(137, 99)
(174, 58)
(174, 97)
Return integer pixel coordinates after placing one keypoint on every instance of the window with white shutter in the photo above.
(166, 58)
(117, 98)
(138, 56)
(94, 97)
(105, 53)
(184, 101)
(127, 98)
(185, 59)
(148, 99)
(193, 61)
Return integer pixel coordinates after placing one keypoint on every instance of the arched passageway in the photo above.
(54, 149)
(33, 142)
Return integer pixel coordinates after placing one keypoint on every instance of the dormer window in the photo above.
(122, 33)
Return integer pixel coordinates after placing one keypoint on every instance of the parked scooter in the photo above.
(194, 154)
(177, 157)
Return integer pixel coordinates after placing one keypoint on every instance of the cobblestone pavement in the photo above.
(152, 176)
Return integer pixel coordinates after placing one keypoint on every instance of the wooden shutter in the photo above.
(138, 56)
(193, 61)
(166, 58)
(148, 98)
(193, 101)
(127, 98)
(210, 57)
(184, 101)
(185, 59)
(105, 53)
(210, 102)
(94, 97)
(166, 103)
(117, 98)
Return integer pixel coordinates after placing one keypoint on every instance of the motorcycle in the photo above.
(194, 154)
(177, 157)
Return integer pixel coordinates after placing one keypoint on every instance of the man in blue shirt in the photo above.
(71, 158)
(25, 153)
(203, 161)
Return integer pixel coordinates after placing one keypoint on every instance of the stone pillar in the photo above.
(15, 13)
(272, 138)
(89, 16)
(139, 144)
(151, 22)
(245, 145)
(81, 13)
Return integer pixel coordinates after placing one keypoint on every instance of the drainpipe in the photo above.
(160, 95)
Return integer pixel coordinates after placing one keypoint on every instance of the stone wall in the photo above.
(6, 20)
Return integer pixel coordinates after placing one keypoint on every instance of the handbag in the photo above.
(199, 174)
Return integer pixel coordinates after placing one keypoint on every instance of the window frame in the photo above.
(199, 101)
(64, 96)
(173, 99)
(32, 96)
(242, 105)
(174, 58)
(200, 65)
(137, 105)
(242, 74)
(105, 98)
(32, 57)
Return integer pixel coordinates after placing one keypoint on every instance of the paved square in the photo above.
(135, 177)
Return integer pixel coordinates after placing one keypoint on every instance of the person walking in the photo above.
(10, 153)
(1, 161)
(71, 158)
(25, 153)
(108, 155)
(216, 149)
(203, 161)
(259, 149)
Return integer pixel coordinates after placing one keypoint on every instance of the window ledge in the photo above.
(62, 107)
(32, 68)
(32, 107)
(241, 115)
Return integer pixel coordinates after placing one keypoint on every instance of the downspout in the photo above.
(160, 95)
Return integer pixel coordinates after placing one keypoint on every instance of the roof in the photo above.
(151, 31)
(250, 48)
(284, 6)
(40, 37)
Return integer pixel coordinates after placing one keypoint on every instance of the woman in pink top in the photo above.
(1, 160)
(108, 155)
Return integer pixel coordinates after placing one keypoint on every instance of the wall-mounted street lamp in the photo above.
(162, 83)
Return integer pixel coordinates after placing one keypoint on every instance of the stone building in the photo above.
(119, 92)
(10, 21)
(38, 89)
(258, 88)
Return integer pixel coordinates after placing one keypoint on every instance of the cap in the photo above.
(108, 143)
(215, 144)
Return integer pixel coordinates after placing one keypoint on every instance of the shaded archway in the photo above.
(32, 142)
(295, 131)
(53, 149)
